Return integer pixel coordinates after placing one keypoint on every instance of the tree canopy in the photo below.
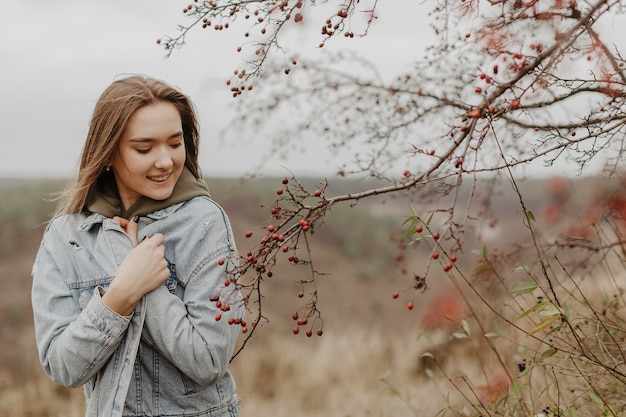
(507, 86)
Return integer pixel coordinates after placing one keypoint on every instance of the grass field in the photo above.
(369, 362)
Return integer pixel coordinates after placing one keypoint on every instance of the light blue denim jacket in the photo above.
(171, 356)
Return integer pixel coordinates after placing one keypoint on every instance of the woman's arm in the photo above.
(73, 344)
(186, 331)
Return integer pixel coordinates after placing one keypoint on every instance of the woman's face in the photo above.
(151, 154)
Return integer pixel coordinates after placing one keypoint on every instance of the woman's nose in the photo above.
(164, 160)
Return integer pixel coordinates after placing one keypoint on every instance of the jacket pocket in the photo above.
(189, 386)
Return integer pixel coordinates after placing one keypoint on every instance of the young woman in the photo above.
(125, 280)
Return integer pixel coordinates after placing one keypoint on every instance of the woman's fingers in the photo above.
(121, 221)
(131, 229)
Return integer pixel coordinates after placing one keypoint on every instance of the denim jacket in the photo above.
(170, 357)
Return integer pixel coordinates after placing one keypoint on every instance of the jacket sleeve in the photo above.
(73, 345)
(186, 331)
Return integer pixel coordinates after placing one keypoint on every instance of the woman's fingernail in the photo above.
(136, 219)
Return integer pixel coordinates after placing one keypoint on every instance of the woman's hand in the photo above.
(143, 270)
(129, 226)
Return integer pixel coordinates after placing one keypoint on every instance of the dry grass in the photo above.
(376, 358)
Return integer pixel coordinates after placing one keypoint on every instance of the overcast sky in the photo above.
(57, 57)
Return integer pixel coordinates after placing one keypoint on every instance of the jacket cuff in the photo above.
(103, 318)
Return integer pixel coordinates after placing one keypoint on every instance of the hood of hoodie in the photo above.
(104, 197)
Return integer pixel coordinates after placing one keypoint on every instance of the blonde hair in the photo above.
(108, 121)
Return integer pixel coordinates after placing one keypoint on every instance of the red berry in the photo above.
(318, 193)
(435, 255)
(248, 233)
(220, 262)
(515, 104)
(279, 191)
(474, 114)
(296, 330)
(218, 317)
(309, 333)
(300, 294)
(447, 266)
(436, 236)
(285, 180)
(410, 306)
(320, 332)
(453, 258)
(418, 229)
(396, 295)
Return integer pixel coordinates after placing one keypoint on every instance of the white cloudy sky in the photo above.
(58, 56)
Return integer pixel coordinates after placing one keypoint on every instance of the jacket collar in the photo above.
(104, 198)
(97, 218)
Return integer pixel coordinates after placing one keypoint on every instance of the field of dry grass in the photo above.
(369, 362)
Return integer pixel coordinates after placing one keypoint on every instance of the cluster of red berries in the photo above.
(303, 322)
(224, 307)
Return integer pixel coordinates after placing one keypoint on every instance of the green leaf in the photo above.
(573, 411)
(481, 252)
(427, 355)
(522, 268)
(408, 220)
(536, 307)
(517, 389)
(459, 335)
(466, 327)
(430, 218)
(547, 353)
(530, 216)
(550, 310)
(502, 401)
(524, 288)
(482, 269)
(493, 335)
(596, 400)
(542, 325)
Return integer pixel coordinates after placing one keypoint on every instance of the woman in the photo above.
(127, 275)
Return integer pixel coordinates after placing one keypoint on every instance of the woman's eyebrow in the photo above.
(143, 139)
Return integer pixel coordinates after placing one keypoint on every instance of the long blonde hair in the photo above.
(108, 121)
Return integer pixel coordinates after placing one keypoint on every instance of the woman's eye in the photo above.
(176, 145)
(143, 150)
